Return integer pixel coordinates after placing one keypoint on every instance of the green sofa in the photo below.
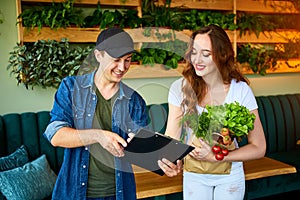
(280, 116)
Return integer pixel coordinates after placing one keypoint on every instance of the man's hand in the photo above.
(112, 142)
(170, 168)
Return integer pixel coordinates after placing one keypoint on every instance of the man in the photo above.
(91, 118)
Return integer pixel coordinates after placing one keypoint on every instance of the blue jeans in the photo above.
(103, 198)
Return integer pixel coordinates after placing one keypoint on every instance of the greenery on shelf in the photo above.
(58, 15)
(161, 15)
(64, 14)
(167, 53)
(195, 19)
(45, 63)
(258, 58)
(255, 23)
(179, 18)
(259, 23)
(108, 18)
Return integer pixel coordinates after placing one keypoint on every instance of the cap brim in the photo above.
(120, 52)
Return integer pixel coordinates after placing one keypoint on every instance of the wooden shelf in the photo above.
(75, 35)
(269, 6)
(278, 36)
(89, 35)
(203, 5)
(91, 2)
(86, 35)
(159, 71)
(155, 71)
(281, 67)
(262, 6)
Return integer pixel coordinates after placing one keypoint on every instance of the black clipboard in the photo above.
(147, 147)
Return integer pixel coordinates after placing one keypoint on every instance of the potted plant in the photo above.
(45, 63)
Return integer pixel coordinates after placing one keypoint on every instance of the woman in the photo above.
(211, 77)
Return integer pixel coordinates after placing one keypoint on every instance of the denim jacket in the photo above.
(74, 106)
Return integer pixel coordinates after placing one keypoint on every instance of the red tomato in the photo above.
(225, 131)
(225, 152)
(216, 149)
(219, 156)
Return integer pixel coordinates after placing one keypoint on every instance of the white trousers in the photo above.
(214, 187)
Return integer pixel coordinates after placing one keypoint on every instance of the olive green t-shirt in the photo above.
(101, 180)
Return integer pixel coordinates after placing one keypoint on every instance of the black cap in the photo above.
(115, 41)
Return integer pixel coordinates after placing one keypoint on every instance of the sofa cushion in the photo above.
(34, 180)
(17, 159)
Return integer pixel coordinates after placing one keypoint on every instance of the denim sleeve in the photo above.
(61, 113)
(140, 115)
(53, 127)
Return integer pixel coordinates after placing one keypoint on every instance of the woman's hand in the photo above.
(203, 152)
(169, 168)
(130, 136)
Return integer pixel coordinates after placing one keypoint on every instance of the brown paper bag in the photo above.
(205, 167)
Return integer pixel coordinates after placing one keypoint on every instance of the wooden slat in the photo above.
(278, 36)
(271, 6)
(19, 26)
(76, 35)
(156, 71)
(82, 35)
(203, 4)
(281, 67)
(259, 6)
(92, 2)
(138, 35)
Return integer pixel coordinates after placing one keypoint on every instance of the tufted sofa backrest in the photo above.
(280, 117)
(27, 128)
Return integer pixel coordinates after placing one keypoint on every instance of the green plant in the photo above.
(95, 18)
(258, 58)
(255, 23)
(290, 50)
(195, 19)
(131, 19)
(58, 15)
(45, 63)
(155, 15)
(233, 116)
(109, 18)
(167, 53)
